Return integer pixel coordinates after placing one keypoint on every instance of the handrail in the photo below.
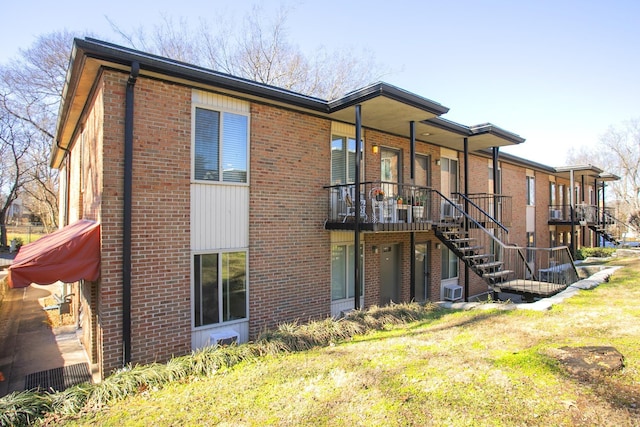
(482, 211)
(519, 250)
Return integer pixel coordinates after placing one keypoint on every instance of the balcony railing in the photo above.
(392, 206)
(384, 206)
(584, 213)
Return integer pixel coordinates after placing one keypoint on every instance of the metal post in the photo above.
(466, 209)
(356, 297)
(572, 214)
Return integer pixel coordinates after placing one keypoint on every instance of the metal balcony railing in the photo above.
(383, 205)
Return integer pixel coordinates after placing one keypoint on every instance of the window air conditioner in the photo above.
(452, 292)
(556, 214)
(447, 210)
(223, 337)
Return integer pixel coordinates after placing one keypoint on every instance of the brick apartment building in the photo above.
(227, 206)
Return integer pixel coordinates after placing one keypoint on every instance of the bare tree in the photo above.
(14, 145)
(260, 50)
(618, 152)
(30, 91)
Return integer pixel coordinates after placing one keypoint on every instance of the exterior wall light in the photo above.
(375, 148)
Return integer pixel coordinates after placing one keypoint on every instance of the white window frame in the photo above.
(345, 279)
(222, 112)
(220, 289)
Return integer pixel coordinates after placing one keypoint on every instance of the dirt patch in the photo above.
(589, 362)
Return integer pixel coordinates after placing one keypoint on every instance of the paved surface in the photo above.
(27, 343)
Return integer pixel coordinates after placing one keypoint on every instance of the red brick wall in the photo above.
(160, 221)
(289, 250)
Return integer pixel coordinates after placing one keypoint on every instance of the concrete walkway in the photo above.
(27, 343)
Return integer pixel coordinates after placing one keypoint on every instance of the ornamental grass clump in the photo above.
(25, 408)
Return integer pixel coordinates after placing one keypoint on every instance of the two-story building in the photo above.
(227, 206)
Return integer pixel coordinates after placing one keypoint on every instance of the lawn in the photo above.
(458, 368)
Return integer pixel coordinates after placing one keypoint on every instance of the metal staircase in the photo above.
(481, 243)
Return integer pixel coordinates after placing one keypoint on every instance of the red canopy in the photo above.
(69, 254)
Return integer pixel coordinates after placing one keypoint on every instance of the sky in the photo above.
(558, 73)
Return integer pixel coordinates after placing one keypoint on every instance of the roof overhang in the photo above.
(384, 107)
(578, 171)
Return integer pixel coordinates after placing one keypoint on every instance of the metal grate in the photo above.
(58, 379)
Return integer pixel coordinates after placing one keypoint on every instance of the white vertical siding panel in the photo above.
(220, 217)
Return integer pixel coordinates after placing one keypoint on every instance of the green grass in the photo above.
(454, 368)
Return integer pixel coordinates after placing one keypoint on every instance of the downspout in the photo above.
(126, 215)
(356, 261)
(466, 210)
(412, 259)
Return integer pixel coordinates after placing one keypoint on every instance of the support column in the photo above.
(572, 213)
(356, 265)
(466, 209)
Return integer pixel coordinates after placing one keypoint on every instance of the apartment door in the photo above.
(389, 274)
(421, 272)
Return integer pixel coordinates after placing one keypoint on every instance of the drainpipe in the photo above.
(356, 265)
(126, 215)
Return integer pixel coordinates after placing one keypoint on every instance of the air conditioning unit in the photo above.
(449, 211)
(556, 214)
(223, 337)
(452, 292)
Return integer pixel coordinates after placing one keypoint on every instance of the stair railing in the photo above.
(530, 265)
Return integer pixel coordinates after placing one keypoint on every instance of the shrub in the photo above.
(583, 253)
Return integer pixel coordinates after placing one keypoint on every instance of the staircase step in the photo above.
(497, 274)
(470, 248)
(489, 265)
(462, 240)
(477, 257)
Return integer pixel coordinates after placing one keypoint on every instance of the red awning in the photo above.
(69, 254)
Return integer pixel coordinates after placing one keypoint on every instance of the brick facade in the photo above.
(289, 250)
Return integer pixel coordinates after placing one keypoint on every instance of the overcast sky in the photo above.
(557, 73)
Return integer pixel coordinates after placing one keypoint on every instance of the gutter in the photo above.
(127, 208)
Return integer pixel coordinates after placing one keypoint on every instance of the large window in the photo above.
(531, 191)
(449, 264)
(221, 146)
(343, 272)
(219, 287)
(390, 165)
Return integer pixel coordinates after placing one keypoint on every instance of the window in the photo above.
(531, 191)
(343, 272)
(552, 193)
(343, 160)
(449, 264)
(390, 165)
(221, 145)
(219, 287)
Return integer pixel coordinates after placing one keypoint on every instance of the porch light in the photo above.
(438, 162)
(375, 148)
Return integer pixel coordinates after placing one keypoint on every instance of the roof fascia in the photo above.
(488, 128)
(388, 91)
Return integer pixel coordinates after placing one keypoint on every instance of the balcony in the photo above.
(583, 214)
(390, 206)
(384, 206)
